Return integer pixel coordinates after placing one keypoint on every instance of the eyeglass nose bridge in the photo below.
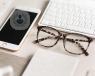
(64, 35)
(39, 28)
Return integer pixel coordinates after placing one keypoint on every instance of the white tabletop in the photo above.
(28, 49)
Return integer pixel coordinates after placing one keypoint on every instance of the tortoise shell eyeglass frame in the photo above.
(41, 28)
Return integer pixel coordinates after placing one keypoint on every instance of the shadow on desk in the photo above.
(18, 63)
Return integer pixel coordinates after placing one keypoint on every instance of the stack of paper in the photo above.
(47, 63)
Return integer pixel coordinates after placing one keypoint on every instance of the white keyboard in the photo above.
(69, 17)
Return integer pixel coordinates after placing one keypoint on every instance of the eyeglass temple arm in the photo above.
(82, 48)
(62, 38)
(36, 41)
(70, 40)
(42, 39)
(48, 32)
(49, 37)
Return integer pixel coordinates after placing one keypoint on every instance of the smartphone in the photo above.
(17, 26)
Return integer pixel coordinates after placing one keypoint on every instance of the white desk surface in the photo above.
(28, 49)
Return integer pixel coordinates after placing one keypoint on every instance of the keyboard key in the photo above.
(82, 19)
(70, 17)
(76, 9)
(70, 13)
(76, 18)
(94, 33)
(93, 22)
(64, 20)
(57, 24)
(58, 6)
(59, 3)
(64, 16)
(88, 20)
(70, 8)
(75, 23)
(57, 19)
(69, 21)
(93, 12)
(93, 27)
(83, 7)
(65, 11)
(82, 15)
(64, 4)
(80, 29)
(88, 15)
(45, 21)
(76, 13)
(87, 10)
(52, 9)
(64, 7)
(51, 22)
(58, 14)
(52, 5)
(69, 5)
(76, 6)
(51, 13)
(49, 17)
(54, 2)
(93, 16)
(87, 25)
(81, 24)
(63, 25)
(81, 10)
(59, 10)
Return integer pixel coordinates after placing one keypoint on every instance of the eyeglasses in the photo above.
(49, 37)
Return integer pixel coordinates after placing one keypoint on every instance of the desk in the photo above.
(28, 49)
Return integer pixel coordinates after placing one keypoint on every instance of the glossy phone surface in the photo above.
(17, 26)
